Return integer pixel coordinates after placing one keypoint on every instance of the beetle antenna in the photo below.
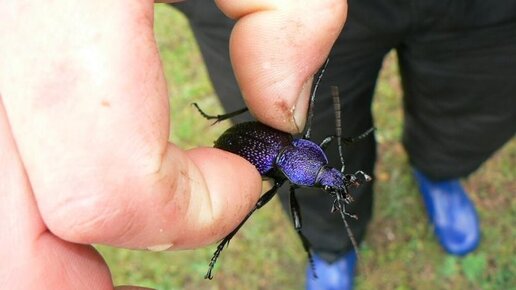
(312, 102)
(338, 125)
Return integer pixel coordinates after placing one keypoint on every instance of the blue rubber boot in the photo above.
(335, 276)
(452, 214)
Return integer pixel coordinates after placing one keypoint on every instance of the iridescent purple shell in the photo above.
(256, 142)
(301, 162)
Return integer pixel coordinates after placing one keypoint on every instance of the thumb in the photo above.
(276, 47)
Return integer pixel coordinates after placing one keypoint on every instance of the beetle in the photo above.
(281, 157)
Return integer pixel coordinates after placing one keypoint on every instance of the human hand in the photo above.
(84, 155)
(276, 47)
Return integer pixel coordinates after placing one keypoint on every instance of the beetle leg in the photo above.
(324, 144)
(351, 140)
(339, 204)
(219, 118)
(264, 199)
(296, 218)
(336, 207)
(356, 179)
(362, 177)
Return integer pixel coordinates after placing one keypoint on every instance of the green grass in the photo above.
(400, 251)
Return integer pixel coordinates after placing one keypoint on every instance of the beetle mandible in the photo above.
(281, 157)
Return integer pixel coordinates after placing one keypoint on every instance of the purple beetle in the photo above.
(281, 157)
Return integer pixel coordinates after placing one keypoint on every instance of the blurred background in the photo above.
(400, 251)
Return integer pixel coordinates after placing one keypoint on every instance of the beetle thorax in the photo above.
(301, 161)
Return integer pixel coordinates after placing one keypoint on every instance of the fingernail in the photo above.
(159, 248)
(301, 106)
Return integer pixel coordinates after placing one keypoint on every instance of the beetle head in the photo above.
(331, 180)
(335, 182)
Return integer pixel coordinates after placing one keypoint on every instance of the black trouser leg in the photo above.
(458, 62)
(459, 78)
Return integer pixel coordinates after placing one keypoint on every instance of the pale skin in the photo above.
(84, 129)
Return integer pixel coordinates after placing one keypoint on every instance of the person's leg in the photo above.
(458, 70)
(372, 29)
(353, 66)
(357, 73)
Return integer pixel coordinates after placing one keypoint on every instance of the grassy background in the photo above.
(400, 251)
